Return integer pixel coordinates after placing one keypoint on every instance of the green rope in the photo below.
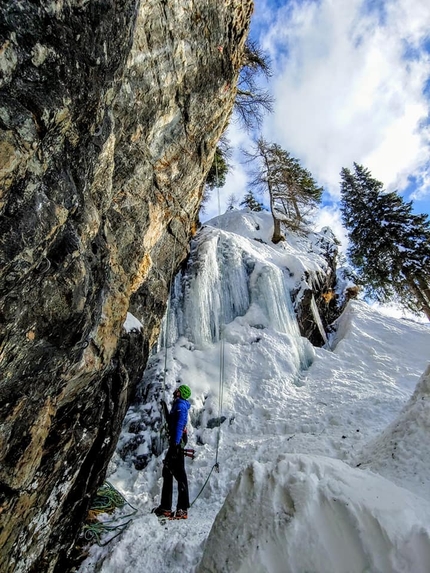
(95, 531)
(107, 500)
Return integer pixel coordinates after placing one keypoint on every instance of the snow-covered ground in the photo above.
(324, 455)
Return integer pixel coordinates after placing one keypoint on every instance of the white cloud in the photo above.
(344, 90)
(330, 216)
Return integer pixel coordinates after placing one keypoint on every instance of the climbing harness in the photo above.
(106, 500)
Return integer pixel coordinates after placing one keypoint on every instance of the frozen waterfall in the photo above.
(226, 278)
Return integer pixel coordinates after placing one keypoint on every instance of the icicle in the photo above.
(222, 274)
(318, 321)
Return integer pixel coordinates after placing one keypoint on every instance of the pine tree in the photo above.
(389, 245)
(218, 171)
(292, 190)
(251, 202)
(217, 174)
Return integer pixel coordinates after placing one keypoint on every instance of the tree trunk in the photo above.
(296, 208)
(277, 235)
(424, 288)
(421, 293)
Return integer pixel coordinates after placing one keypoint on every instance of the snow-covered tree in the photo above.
(389, 245)
(219, 169)
(292, 190)
(218, 172)
(251, 202)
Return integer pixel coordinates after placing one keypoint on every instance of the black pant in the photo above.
(174, 467)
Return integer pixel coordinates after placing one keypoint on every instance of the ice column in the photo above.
(221, 281)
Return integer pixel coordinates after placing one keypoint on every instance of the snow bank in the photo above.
(314, 514)
(402, 452)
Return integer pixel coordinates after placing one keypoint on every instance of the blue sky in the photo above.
(351, 81)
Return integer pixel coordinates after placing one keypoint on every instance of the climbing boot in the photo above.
(160, 512)
(180, 514)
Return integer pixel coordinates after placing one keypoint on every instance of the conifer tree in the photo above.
(219, 169)
(292, 190)
(251, 202)
(389, 245)
(217, 174)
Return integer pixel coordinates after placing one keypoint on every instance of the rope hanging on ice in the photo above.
(221, 363)
(222, 345)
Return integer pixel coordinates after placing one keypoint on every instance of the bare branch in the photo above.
(253, 101)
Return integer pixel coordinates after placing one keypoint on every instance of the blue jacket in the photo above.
(178, 418)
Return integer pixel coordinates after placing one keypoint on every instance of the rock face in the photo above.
(109, 116)
(326, 293)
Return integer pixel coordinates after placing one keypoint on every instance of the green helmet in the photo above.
(184, 391)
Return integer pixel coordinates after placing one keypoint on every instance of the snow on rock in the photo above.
(402, 452)
(313, 514)
(131, 322)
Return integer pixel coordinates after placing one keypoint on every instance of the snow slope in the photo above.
(298, 420)
(402, 452)
(309, 513)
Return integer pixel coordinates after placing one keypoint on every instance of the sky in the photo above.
(324, 454)
(351, 82)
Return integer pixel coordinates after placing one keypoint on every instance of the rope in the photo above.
(215, 466)
(106, 500)
(217, 182)
(221, 389)
(222, 344)
(168, 320)
(221, 364)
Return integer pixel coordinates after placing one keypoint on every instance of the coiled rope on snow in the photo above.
(106, 500)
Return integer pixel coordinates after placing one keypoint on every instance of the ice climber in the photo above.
(174, 463)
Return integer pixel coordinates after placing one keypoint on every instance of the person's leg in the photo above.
(167, 490)
(181, 477)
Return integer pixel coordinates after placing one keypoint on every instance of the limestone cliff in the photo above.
(110, 111)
